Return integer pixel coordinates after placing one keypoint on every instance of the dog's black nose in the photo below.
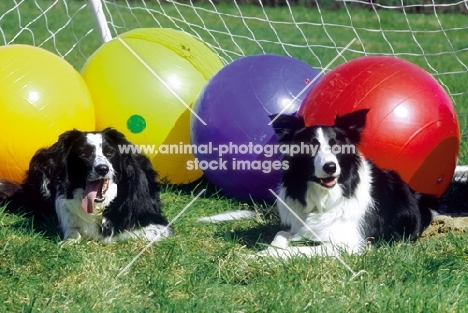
(102, 169)
(329, 168)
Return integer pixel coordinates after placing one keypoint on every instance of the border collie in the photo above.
(333, 196)
(96, 191)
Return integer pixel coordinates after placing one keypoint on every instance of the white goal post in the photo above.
(431, 33)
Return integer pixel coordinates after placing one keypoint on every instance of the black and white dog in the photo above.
(96, 191)
(332, 195)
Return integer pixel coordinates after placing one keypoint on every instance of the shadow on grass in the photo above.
(46, 226)
(255, 238)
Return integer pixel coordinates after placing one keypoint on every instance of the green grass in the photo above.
(202, 268)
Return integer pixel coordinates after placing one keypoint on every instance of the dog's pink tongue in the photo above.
(328, 182)
(91, 190)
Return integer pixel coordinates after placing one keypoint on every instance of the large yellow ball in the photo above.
(41, 96)
(143, 84)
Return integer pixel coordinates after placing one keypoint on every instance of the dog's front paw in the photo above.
(279, 247)
(107, 228)
(274, 252)
(282, 240)
(70, 238)
(157, 232)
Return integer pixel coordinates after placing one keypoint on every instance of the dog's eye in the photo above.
(332, 142)
(108, 152)
(85, 152)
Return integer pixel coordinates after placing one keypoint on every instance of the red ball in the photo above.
(412, 126)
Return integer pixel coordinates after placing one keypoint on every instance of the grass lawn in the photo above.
(203, 268)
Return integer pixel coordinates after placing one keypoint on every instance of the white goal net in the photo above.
(432, 34)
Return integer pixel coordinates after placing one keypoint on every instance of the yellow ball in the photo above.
(143, 84)
(41, 96)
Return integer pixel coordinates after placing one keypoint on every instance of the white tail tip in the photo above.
(228, 216)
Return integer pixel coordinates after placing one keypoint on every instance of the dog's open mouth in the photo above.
(95, 191)
(328, 182)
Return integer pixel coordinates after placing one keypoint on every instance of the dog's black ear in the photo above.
(66, 139)
(46, 166)
(285, 125)
(115, 136)
(46, 159)
(355, 121)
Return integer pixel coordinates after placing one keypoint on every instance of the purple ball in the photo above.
(236, 105)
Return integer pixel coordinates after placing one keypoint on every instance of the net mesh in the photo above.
(431, 34)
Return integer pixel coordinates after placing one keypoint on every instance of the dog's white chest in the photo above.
(73, 221)
(325, 219)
